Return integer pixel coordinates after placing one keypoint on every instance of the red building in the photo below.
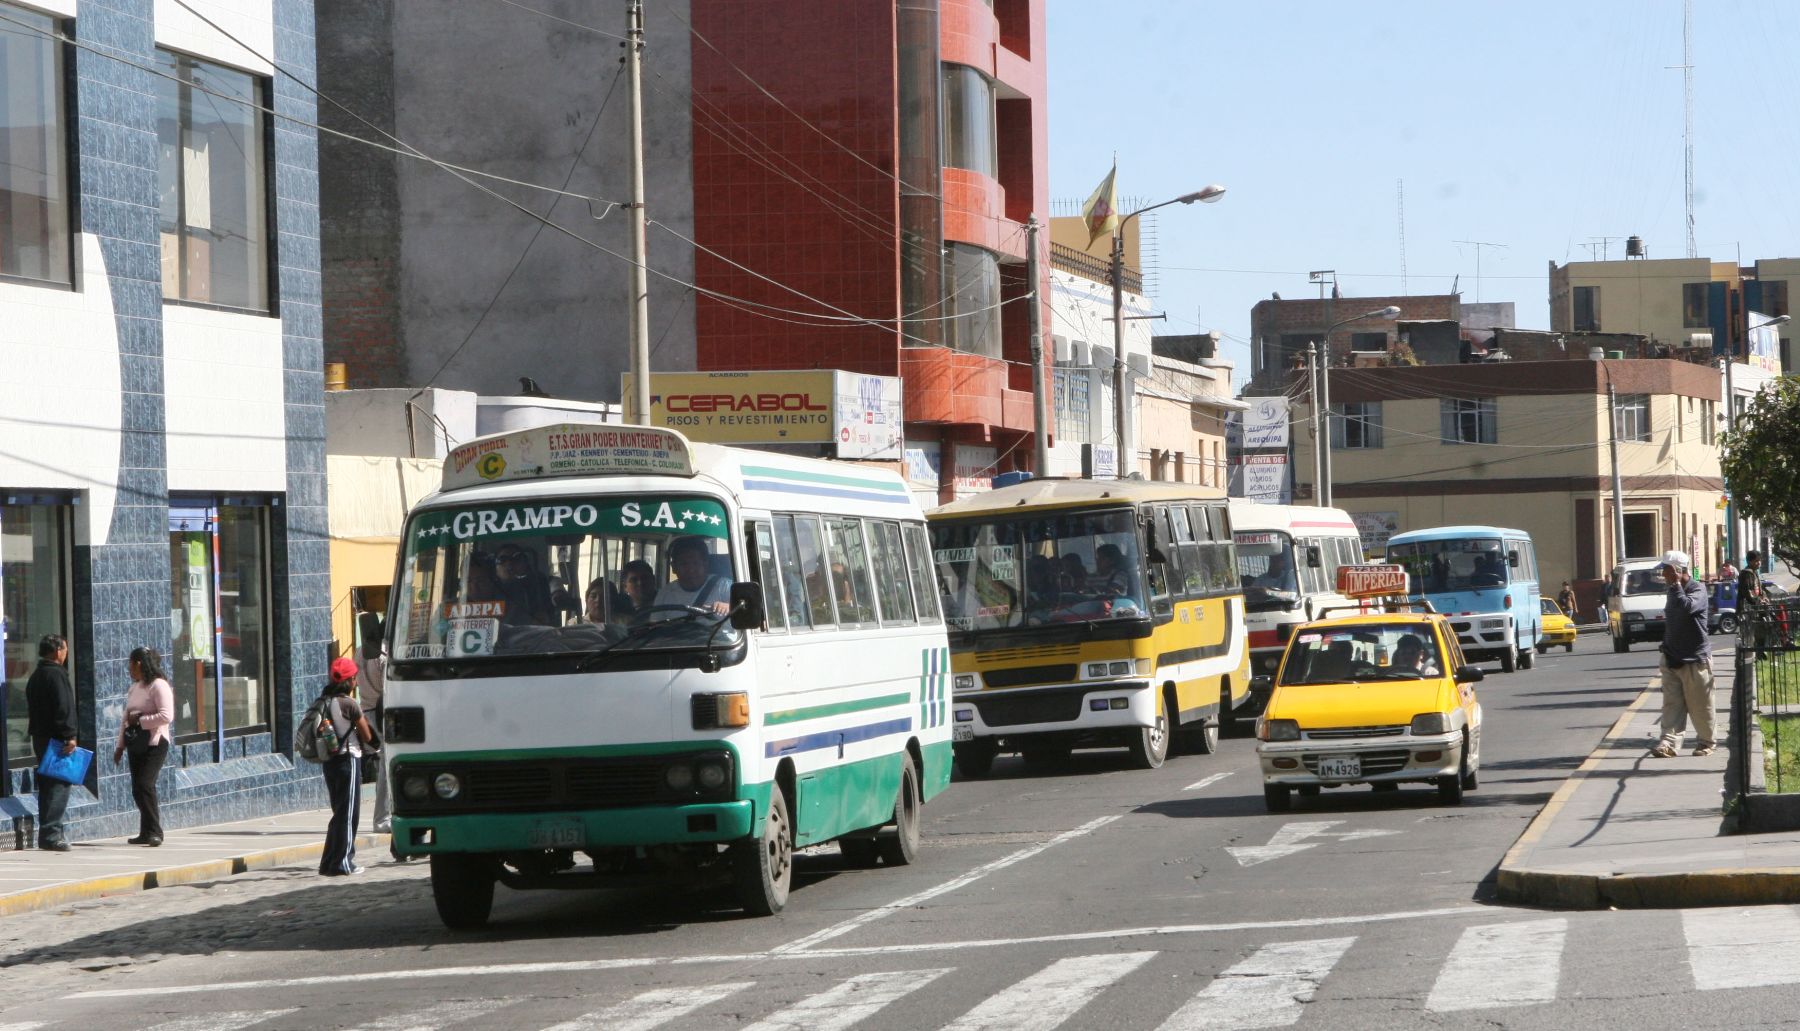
(881, 159)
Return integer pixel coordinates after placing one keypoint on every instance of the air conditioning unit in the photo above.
(1703, 340)
(1081, 353)
(1139, 365)
(1059, 347)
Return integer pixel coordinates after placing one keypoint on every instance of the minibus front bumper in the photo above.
(1064, 708)
(694, 823)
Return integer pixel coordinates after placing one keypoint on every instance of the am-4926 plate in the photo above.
(1340, 767)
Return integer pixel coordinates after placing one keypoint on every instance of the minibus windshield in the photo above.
(1266, 570)
(1466, 564)
(1065, 567)
(564, 575)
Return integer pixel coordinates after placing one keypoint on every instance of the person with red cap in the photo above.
(343, 771)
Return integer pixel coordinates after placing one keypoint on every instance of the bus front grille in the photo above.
(1022, 676)
(560, 784)
(1033, 707)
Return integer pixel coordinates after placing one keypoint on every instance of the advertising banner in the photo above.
(744, 407)
(1265, 479)
(1764, 344)
(1265, 426)
(870, 417)
(974, 469)
(1376, 528)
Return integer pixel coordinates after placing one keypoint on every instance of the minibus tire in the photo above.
(902, 847)
(1201, 738)
(975, 758)
(462, 885)
(1509, 661)
(1526, 659)
(1150, 746)
(762, 867)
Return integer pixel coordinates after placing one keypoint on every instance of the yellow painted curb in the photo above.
(54, 895)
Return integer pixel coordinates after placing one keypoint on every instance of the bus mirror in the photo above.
(747, 611)
(1512, 559)
(1313, 557)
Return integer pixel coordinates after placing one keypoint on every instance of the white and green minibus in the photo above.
(614, 652)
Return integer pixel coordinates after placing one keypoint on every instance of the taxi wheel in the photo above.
(1450, 789)
(1151, 745)
(1308, 790)
(1543, 649)
(1277, 798)
(1569, 647)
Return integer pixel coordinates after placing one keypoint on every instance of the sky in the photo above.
(1537, 126)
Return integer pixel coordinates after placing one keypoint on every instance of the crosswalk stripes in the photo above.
(431, 1018)
(1269, 988)
(848, 1002)
(1742, 948)
(229, 1021)
(1052, 995)
(651, 1009)
(1497, 965)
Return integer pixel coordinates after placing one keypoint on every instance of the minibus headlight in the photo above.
(1121, 669)
(965, 715)
(447, 786)
(1096, 669)
(679, 777)
(711, 774)
(416, 788)
(1431, 723)
(1279, 730)
(965, 682)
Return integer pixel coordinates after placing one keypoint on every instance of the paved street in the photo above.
(1094, 896)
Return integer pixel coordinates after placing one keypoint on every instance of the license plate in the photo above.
(1340, 767)
(557, 834)
(961, 732)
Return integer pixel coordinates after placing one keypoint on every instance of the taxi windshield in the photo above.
(1362, 653)
(564, 575)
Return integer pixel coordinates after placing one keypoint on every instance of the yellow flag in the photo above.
(1101, 212)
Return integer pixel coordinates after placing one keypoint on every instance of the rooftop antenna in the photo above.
(1687, 120)
(1478, 245)
(1599, 247)
(1400, 192)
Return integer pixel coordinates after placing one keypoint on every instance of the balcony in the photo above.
(1064, 258)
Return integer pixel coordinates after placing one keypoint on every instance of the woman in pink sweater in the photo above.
(144, 738)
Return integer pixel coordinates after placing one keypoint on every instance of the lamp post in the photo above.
(1731, 519)
(1121, 406)
(1322, 496)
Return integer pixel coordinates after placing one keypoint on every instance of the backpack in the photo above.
(316, 738)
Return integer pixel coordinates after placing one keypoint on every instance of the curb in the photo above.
(1560, 890)
(33, 899)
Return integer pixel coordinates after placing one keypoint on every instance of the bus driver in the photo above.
(693, 586)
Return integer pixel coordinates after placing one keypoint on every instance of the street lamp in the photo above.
(1322, 495)
(1121, 407)
(1731, 520)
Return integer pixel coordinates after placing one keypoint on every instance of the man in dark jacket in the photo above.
(1687, 677)
(50, 705)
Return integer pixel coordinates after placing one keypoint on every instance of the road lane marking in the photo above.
(432, 1017)
(1206, 782)
(580, 966)
(230, 1021)
(1291, 838)
(648, 1010)
(847, 1003)
(1268, 988)
(1052, 995)
(29, 1025)
(1742, 948)
(870, 915)
(1497, 965)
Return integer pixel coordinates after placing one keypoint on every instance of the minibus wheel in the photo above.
(902, 847)
(462, 885)
(1151, 744)
(1509, 661)
(762, 867)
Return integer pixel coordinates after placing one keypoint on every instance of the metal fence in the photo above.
(1767, 689)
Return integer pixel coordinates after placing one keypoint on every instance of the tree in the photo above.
(1761, 460)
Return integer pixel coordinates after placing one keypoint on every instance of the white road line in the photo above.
(651, 1009)
(1269, 988)
(230, 1021)
(432, 1017)
(29, 1025)
(1052, 995)
(1742, 948)
(1499, 965)
(1206, 782)
(585, 966)
(871, 915)
(847, 1003)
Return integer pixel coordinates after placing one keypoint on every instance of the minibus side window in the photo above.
(1213, 527)
(760, 547)
(1189, 574)
(924, 572)
(1160, 602)
(890, 573)
(851, 584)
(794, 583)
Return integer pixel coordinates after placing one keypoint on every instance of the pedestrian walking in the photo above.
(1565, 600)
(1687, 677)
(50, 720)
(343, 771)
(144, 739)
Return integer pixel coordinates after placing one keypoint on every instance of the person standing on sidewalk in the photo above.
(1687, 677)
(50, 716)
(144, 739)
(343, 771)
(1565, 600)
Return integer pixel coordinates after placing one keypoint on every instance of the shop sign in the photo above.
(974, 469)
(870, 417)
(1265, 478)
(1375, 529)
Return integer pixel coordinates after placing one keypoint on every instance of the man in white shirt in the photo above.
(693, 586)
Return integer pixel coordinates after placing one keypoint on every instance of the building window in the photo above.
(34, 601)
(1774, 297)
(1633, 414)
(1709, 422)
(1468, 420)
(219, 584)
(212, 177)
(1586, 312)
(974, 276)
(1369, 343)
(34, 178)
(969, 135)
(1356, 426)
(1693, 305)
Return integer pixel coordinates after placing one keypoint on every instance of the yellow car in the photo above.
(1371, 698)
(1554, 628)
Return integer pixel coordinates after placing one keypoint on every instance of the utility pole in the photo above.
(1618, 492)
(1731, 513)
(1040, 404)
(1121, 405)
(1319, 445)
(638, 408)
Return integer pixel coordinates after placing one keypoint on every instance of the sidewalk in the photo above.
(1630, 831)
(33, 879)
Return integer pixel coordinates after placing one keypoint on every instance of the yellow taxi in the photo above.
(1554, 628)
(1369, 697)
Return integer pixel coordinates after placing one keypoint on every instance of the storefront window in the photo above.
(219, 618)
(34, 186)
(34, 601)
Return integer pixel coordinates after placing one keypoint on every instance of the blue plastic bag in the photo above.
(70, 769)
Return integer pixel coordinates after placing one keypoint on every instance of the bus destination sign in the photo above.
(568, 449)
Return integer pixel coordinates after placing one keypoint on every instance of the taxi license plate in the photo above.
(1340, 767)
(961, 732)
(557, 834)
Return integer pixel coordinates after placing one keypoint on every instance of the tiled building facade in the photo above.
(161, 476)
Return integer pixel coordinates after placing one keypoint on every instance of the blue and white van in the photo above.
(1485, 579)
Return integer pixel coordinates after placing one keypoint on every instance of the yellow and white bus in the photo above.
(610, 643)
(1090, 613)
